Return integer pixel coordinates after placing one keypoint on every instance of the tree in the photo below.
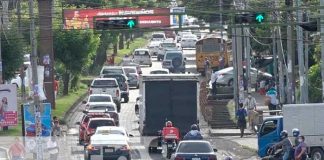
(315, 84)
(74, 49)
(13, 46)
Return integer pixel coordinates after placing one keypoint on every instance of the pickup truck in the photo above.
(308, 118)
(106, 86)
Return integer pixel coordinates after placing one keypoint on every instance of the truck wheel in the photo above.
(126, 99)
(317, 154)
(158, 59)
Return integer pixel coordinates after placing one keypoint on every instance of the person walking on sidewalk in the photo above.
(17, 150)
(250, 105)
(213, 82)
(241, 121)
(206, 66)
(272, 100)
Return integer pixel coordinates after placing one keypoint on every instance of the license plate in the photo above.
(195, 158)
(109, 150)
(170, 145)
(159, 148)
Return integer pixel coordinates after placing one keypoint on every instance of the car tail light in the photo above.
(179, 158)
(117, 93)
(125, 148)
(213, 157)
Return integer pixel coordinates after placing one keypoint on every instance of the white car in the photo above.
(160, 71)
(189, 41)
(99, 99)
(106, 107)
(111, 146)
(181, 34)
(154, 47)
(142, 56)
(106, 130)
(158, 36)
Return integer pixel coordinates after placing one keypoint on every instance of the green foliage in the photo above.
(315, 84)
(261, 34)
(13, 46)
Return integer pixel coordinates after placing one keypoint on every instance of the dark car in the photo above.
(123, 84)
(195, 150)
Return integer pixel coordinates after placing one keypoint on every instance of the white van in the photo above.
(142, 56)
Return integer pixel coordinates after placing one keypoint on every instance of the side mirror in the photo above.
(84, 102)
(138, 98)
(130, 135)
(215, 150)
(85, 112)
(185, 59)
(77, 123)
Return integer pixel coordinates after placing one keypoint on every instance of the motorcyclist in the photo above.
(193, 134)
(170, 133)
(285, 144)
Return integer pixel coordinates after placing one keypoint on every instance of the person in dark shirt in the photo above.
(301, 149)
(241, 121)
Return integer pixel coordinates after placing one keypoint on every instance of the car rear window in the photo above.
(107, 132)
(169, 45)
(119, 78)
(130, 70)
(99, 123)
(158, 36)
(106, 83)
(159, 72)
(141, 53)
(194, 147)
(99, 99)
(112, 71)
(170, 56)
(97, 107)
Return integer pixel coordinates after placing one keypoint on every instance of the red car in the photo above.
(85, 120)
(93, 124)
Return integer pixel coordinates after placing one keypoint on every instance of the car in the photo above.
(154, 47)
(108, 86)
(160, 71)
(170, 34)
(111, 70)
(226, 76)
(123, 85)
(174, 61)
(105, 107)
(138, 67)
(189, 41)
(194, 150)
(85, 120)
(158, 36)
(111, 146)
(97, 98)
(166, 46)
(105, 130)
(92, 125)
(181, 34)
(4, 154)
(142, 56)
(133, 77)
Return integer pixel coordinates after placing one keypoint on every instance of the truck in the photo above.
(308, 118)
(165, 97)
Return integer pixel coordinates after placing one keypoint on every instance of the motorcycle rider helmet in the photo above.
(295, 132)
(283, 134)
(194, 127)
(168, 124)
(228, 158)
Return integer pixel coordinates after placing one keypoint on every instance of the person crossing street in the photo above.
(250, 105)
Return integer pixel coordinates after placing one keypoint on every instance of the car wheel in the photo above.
(230, 82)
(158, 59)
(150, 65)
(126, 99)
(317, 154)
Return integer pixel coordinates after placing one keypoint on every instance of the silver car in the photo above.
(174, 61)
(154, 47)
(166, 46)
(189, 41)
(132, 76)
(142, 57)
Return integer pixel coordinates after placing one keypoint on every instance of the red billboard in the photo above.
(83, 18)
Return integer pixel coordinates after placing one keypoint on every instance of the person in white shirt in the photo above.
(250, 105)
(52, 147)
(213, 82)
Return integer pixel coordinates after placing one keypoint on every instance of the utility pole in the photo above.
(1, 78)
(300, 51)
(36, 88)
(221, 30)
(291, 62)
(322, 44)
(248, 58)
(306, 60)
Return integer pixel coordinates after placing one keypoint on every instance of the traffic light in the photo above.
(309, 26)
(116, 24)
(250, 18)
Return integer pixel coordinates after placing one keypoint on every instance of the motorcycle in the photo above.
(275, 154)
(168, 148)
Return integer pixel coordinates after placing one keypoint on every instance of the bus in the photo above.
(211, 47)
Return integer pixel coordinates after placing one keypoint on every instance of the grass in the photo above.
(13, 130)
(137, 43)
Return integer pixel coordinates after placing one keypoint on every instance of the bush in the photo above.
(315, 84)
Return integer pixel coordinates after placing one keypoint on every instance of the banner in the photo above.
(29, 120)
(8, 105)
(83, 18)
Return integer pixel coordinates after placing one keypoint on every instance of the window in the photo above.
(99, 99)
(268, 127)
(109, 83)
(158, 36)
(195, 147)
(141, 53)
(169, 45)
(119, 79)
(99, 123)
(130, 70)
(171, 56)
(113, 71)
(109, 108)
(107, 132)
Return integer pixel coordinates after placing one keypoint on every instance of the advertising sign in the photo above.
(83, 18)
(29, 120)
(8, 105)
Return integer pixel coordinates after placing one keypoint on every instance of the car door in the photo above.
(268, 135)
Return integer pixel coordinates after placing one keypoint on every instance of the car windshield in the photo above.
(112, 70)
(189, 36)
(141, 53)
(111, 131)
(99, 123)
(194, 147)
(3, 154)
(159, 72)
(169, 45)
(130, 70)
(157, 36)
(110, 83)
(119, 78)
(96, 107)
(170, 56)
(99, 99)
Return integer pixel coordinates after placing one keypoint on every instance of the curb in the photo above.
(224, 134)
(74, 105)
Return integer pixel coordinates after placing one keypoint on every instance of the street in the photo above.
(139, 144)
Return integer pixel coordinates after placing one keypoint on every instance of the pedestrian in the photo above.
(17, 150)
(53, 148)
(241, 121)
(250, 105)
(206, 66)
(272, 100)
(213, 82)
(56, 86)
(301, 149)
(56, 128)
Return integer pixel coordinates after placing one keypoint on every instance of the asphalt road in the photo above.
(70, 149)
